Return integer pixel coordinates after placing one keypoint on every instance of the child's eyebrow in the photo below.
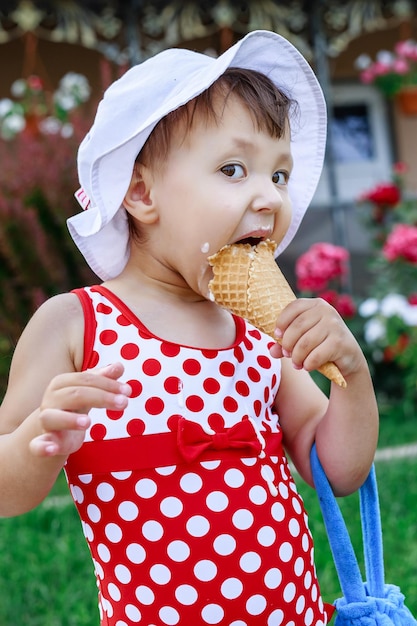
(240, 143)
(282, 159)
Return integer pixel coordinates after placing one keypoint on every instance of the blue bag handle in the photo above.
(344, 557)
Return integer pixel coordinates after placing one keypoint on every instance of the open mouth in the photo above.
(253, 241)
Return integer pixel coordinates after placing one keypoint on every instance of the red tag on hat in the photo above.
(82, 198)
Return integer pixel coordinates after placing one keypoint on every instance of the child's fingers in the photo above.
(81, 391)
(309, 341)
(63, 413)
(56, 420)
(113, 370)
(64, 433)
(82, 398)
(312, 333)
(44, 445)
(276, 351)
(311, 355)
(297, 319)
(57, 444)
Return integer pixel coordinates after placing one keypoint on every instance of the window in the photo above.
(362, 151)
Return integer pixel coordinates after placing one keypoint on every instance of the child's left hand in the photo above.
(311, 332)
(343, 424)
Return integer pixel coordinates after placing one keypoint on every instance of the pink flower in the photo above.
(391, 70)
(319, 265)
(345, 306)
(35, 83)
(412, 299)
(380, 69)
(343, 303)
(406, 49)
(330, 296)
(367, 76)
(401, 66)
(401, 243)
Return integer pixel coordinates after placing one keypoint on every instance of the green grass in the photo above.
(397, 485)
(394, 431)
(46, 574)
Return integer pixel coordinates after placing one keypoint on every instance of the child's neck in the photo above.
(174, 312)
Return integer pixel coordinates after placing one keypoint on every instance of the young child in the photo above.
(169, 414)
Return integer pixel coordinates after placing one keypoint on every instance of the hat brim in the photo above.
(127, 115)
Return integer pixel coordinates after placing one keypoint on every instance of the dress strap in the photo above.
(90, 325)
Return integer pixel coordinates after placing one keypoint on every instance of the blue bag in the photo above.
(372, 603)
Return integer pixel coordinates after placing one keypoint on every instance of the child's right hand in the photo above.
(63, 413)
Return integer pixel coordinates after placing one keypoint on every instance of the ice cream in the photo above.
(248, 282)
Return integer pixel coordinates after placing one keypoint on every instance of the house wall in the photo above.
(403, 128)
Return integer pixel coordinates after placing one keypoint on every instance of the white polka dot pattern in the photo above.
(206, 542)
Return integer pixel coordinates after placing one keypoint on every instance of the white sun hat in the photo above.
(134, 104)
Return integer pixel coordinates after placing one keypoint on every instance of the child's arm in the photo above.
(44, 415)
(345, 426)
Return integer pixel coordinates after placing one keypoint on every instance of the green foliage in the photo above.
(392, 358)
(387, 322)
(397, 493)
(37, 256)
(37, 182)
(46, 573)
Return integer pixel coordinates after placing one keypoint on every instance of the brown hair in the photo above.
(269, 106)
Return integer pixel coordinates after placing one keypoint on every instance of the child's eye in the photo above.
(280, 178)
(233, 170)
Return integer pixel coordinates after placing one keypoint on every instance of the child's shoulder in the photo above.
(59, 322)
(63, 306)
(51, 344)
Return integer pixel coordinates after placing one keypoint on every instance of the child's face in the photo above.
(225, 182)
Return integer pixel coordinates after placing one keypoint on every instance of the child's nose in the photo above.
(268, 197)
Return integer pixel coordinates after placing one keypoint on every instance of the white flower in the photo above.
(374, 330)
(394, 304)
(76, 84)
(385, 56)
(410, 315)
(362, 62)
(14, 122)
(50, 126)
(6, 105)
(18, 88)
(65, 100)
(67, 130)
(368, 307)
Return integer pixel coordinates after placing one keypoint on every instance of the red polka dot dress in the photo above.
(186, 498)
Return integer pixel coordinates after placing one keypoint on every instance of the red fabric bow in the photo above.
(192, 439)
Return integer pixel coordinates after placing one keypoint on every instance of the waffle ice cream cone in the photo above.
(247, 281)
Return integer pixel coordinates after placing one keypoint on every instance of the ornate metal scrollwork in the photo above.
(111, 25)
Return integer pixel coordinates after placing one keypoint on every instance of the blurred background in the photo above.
(357, 246)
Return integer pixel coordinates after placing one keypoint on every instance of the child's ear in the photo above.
(138, 199)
